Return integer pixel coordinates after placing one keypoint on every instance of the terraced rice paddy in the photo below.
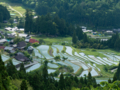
(36, 66)
(59, 47)
(75, 67)
(51, 71)
(54, 51)
(5, 58)
(16, 62)
(76, 61)
(37, 53)
(44, 51)
(69, 50)
(52, 65)
(84, 73)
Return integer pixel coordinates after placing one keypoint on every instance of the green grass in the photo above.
(104, 73)
(79, 71)
(90, 52)
(19, 8)
(64, 49)
(57, 40)
(110, 51)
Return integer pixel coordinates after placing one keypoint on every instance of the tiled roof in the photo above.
(21, 58)
(33, 41)
(2, 47)
(21, 44)
(8, 48)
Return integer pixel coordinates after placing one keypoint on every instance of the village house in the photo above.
(9, 49)
(33, 41)
(2, 41)
(109, 32)
(21, 45)
(2, 47)
(10, 36)
(27, 40)
(22, 58)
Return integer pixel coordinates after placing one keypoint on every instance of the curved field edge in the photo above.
(50, 51)
(78, 73)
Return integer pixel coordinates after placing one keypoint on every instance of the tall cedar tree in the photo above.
(79, 33)
(74, 38)
(85, 39)
(114, 77)
(61, 82)
(11, 69)
(28, 21)
(23, 85)
(4, 78)
(118, 72)
(22, 72)
(45, 74)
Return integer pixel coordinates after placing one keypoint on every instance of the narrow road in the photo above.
(15, 11)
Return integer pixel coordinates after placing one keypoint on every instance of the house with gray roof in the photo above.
(21, 45)
(8, 48)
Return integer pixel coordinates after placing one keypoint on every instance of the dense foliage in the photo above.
(47, 25)
(4, 13)
(97, 14)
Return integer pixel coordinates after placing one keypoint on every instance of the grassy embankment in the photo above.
(90, 52)
(64, 49)
(104, 73)
(55, 40)
(110, 51)
(50, 51)
(79, 72)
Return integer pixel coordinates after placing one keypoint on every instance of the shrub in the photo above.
(63, 43)
(63, 51)
(94, 50)
(57, 57)
(35, 44)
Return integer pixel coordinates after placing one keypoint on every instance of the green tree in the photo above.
(23, 85)
(11, 21)
(79, 33)
(74, 38)
(11, 69)
(109, 80)
(4, 78)
(85, 39)
(114, 77)
(22, 72)
(45, 74)
(61, 82)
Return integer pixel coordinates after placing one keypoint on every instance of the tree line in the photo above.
(47, 25)
(81, 40)
(96, 14)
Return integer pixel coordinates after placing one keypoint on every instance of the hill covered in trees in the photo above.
(96, 14)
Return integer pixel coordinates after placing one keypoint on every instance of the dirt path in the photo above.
(15, 11)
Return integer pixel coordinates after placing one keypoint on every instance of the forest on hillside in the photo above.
(96, 14)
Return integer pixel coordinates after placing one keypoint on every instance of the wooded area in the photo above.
(96, 14)
(4, 13)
